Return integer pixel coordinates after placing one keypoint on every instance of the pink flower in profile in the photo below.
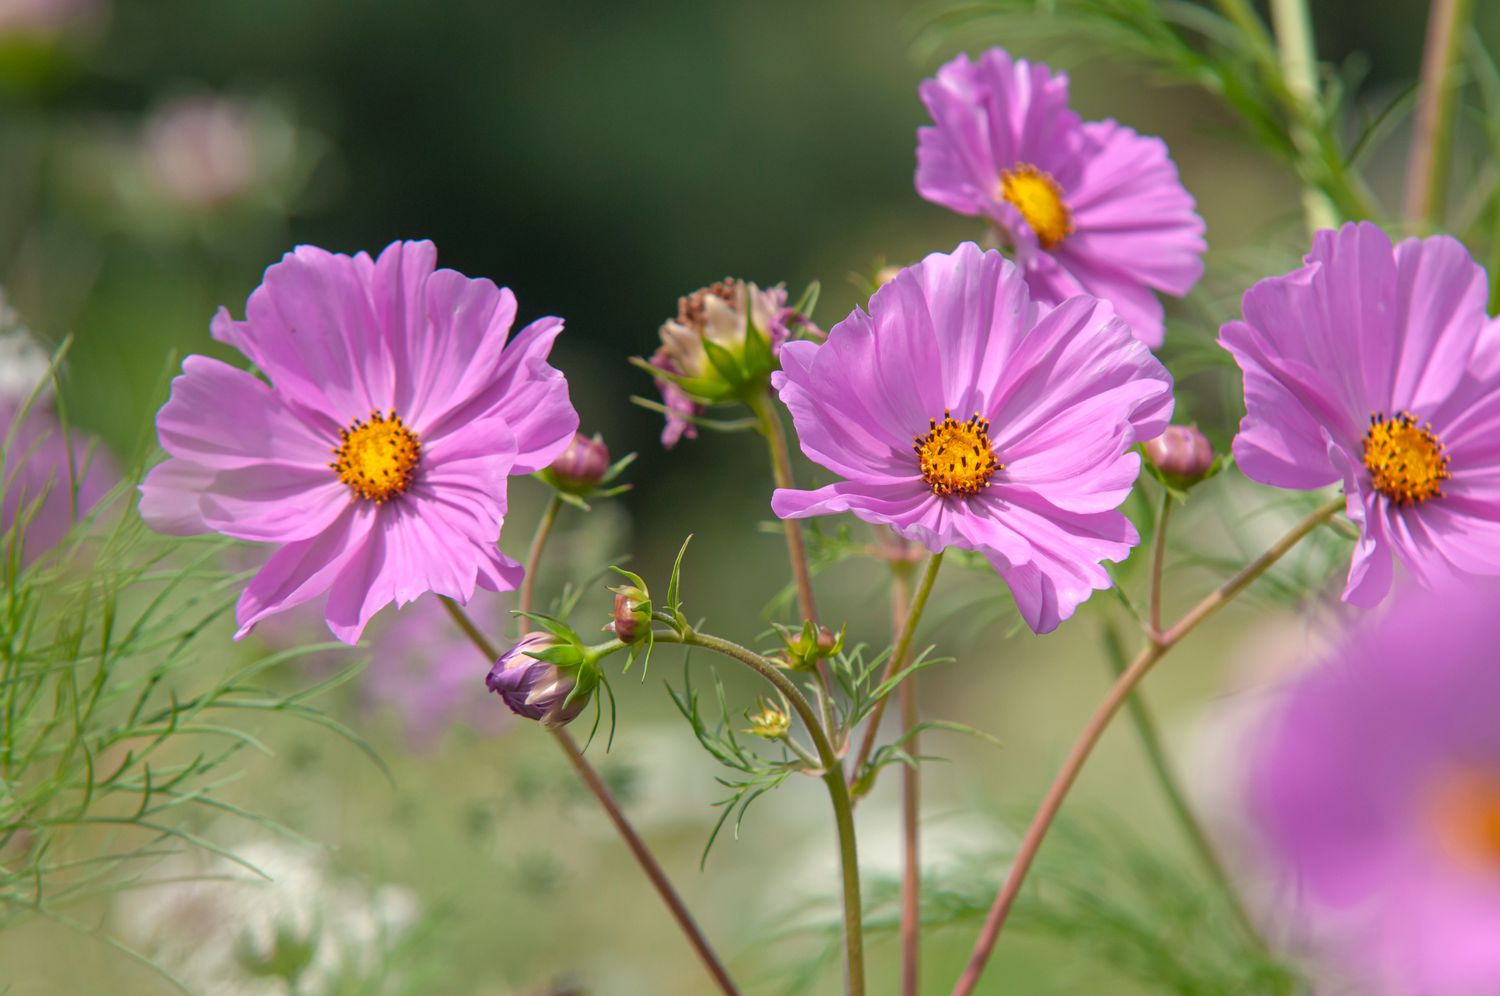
(1376, 782)
(1369, 366)
(377, 456)
(1089, 207)
(1023, 416)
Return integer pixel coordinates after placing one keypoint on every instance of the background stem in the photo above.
(781, 472)
(1299, 64)
(1432, 132)
(1094, 729)
(1156, 756)
(893, 667)
(633, 841)
(534, 556)
(911, 787)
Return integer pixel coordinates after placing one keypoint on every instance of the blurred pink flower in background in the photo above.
(1376, 782)
(51, 477)
(203, 150)
(43, 20)
(428, 674)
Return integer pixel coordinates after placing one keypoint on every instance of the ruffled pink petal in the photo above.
(988, 116)
(447, 330)
(1080, 365)
(312, 329)
(303, 570)
(1131, 214)
(530, 394)
(1284, 439)
(220, 416)
(243, 463)
(1063, 567)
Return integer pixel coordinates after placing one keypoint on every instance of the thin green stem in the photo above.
(534, 555)
(1161, 767)
(633, 841)
(1299, 65)
(892, 668)
(1158, 562)
(832, 776)
(1155, 649)
(1432, 134)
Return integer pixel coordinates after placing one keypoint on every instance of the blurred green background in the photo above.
(602, 159)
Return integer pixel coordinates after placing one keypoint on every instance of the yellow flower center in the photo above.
(1040, 200)
(955, 457)
(1405, 460)
(1465, 813)
(377, 458)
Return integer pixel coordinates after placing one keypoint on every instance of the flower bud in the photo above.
(1182, 455)
(770, 721)
(582, 466)
(629, 620)
(805, 648)
(552, 691)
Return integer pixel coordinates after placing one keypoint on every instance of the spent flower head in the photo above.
(721, 347)
(1088, 207)
(377, 456)
(963, 414)
(1376, 366)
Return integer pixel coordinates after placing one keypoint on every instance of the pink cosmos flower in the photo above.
(377, 456)
(1368, 366)
(1377, 783)
(1088, 207)
(1023, 417)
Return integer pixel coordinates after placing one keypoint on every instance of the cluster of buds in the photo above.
(1181, 456)
(802, 650)
(583, 471)
(546, 676)
(721, 347)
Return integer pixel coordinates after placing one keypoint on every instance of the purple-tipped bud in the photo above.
(537, 689)
(582, 465)
(1182, 454)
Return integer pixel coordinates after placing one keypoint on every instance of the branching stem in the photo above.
(1154, 650)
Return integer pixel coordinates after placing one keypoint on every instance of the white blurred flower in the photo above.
(23, 362)
(222, 929)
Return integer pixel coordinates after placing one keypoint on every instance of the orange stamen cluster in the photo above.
(1466, 815)
(1039, 198)
(1405, 460)
(378, 458)
(955, 457)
